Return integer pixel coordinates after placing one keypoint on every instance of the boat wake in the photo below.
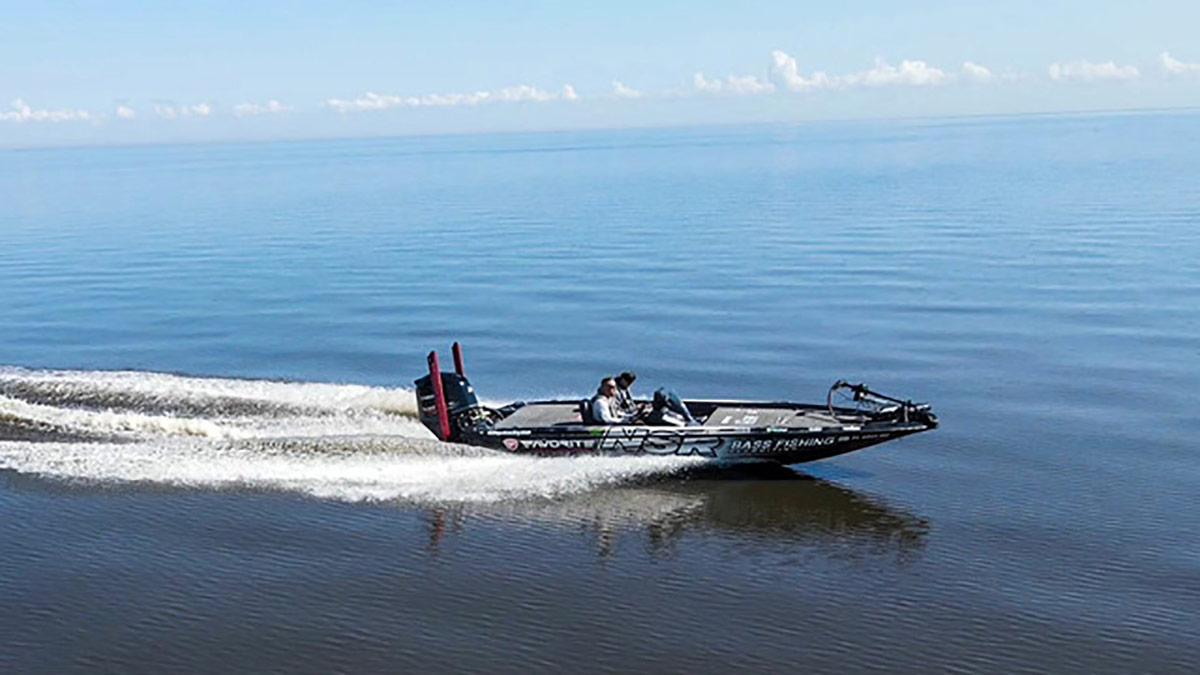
(344, 442)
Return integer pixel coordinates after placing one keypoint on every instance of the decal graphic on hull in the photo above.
(680, 444)
(623, 440)
(634, 440)
(559, 444)
(747, 447)
(640, 440)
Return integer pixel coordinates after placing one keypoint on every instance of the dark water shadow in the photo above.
(764, 505)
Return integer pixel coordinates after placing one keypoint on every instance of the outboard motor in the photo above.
(447, 403)
(459, 396)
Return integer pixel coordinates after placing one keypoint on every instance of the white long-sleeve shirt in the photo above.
(604, 410)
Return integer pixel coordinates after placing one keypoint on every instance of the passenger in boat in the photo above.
(605, 408)
(624, 396)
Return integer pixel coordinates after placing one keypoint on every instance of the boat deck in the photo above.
(730, 416)
(540, 415)
(537, 415)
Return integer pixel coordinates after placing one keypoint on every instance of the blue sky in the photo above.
(140, 71)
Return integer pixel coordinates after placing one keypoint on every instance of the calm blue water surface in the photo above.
(1036, 279)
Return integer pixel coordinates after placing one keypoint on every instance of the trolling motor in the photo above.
(881, 406)
(443, 398)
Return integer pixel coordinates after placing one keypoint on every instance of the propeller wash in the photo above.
(332, 441)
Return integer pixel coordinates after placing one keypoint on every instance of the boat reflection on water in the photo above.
(453, 488)
(784, 508)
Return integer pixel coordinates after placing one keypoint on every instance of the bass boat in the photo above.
(853, 417)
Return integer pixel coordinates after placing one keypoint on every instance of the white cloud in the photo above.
(1086, 71)
(522, 93)
(734, 84)
(21, 112)
(271, 107)
(368, 101)
(125, 112)
(910, 73)
(785, 71)
(169, 112)
(973, 72)
(621, 91)
(1176, 67)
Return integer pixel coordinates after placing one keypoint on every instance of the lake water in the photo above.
(208, 460)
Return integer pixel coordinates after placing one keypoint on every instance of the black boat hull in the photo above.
(783, 447)
(727, 431)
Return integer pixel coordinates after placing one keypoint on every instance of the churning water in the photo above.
(343, 442)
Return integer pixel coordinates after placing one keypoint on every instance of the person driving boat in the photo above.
(606, 408)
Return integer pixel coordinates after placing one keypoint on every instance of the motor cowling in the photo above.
(460, 399)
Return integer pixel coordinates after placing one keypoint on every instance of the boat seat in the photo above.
(585, 412)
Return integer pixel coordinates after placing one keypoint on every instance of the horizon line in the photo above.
(585, 129)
